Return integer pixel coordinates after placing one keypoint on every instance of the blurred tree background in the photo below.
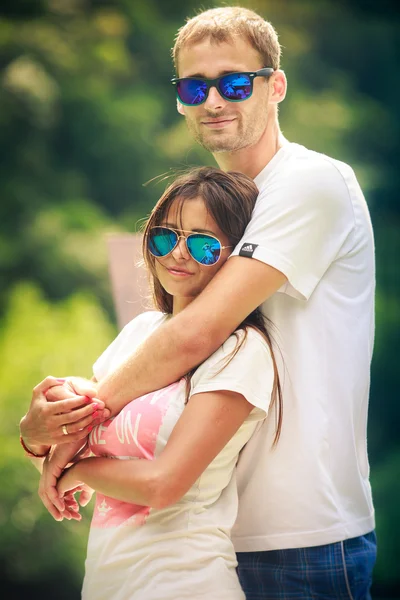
(87, 116)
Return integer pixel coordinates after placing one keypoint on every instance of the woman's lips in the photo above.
(178, 272)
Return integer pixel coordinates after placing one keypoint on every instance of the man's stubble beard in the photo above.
(230, 142)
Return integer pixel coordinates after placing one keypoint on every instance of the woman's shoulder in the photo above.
(147, 320)
(147, 317)
(133, 334)
(243, 364)
(244, 346)
(249, 338)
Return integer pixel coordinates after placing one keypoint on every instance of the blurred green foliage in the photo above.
(40, 337)
(87, 116)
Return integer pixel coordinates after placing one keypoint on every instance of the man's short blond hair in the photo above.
(224, 25)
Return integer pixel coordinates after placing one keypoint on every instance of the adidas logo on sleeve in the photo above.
(247, 250)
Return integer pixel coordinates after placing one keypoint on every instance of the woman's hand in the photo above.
(70, 483)
(53, 467)
(61, 411)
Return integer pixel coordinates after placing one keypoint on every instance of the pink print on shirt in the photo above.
(131, 434)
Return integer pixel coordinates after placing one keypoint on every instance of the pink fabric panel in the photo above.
(131, 434)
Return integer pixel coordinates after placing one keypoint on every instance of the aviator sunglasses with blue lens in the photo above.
(235, 87)
(203, 248)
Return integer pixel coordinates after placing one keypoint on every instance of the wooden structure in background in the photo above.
(129, 284)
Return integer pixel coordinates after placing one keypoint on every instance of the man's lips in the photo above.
(217, 123)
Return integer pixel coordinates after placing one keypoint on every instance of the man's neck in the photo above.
(252, 160)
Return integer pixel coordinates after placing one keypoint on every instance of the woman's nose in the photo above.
(180, 251)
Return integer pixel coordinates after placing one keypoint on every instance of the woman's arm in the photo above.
(207, 424)
(53, 465)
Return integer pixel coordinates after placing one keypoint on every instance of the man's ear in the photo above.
(180, 108)
(279, 87)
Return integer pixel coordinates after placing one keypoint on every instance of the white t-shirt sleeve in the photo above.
(250, 372)
(131, 336)
(301, 221)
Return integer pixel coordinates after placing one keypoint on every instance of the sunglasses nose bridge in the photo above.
(181, 248)
(214, 96)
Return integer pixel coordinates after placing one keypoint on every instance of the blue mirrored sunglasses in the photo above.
(235, 87)
(203, 248)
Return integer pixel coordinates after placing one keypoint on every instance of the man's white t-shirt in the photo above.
(311, 222)
(183, 550)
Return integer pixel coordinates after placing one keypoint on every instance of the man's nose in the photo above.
(214, 99)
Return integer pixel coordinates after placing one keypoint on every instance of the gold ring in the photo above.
(64, 430)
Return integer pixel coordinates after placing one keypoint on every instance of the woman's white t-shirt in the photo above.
(183, 550)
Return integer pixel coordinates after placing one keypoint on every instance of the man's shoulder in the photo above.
(302, 171)
(310, 161)
(298, 161)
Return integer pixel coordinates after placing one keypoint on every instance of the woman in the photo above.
(161, 524)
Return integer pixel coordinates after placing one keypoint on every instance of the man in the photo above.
(306, 520)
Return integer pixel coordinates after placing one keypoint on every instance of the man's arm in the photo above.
(194, 334)
(169, 353)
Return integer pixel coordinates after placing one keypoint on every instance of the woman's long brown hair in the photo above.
(230, 199)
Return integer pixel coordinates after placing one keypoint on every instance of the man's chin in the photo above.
(220, 148)
(221, 144)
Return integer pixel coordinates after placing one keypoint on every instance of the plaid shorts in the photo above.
(340, 571)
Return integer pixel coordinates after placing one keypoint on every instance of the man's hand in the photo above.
(67, 417)
(64, 506)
